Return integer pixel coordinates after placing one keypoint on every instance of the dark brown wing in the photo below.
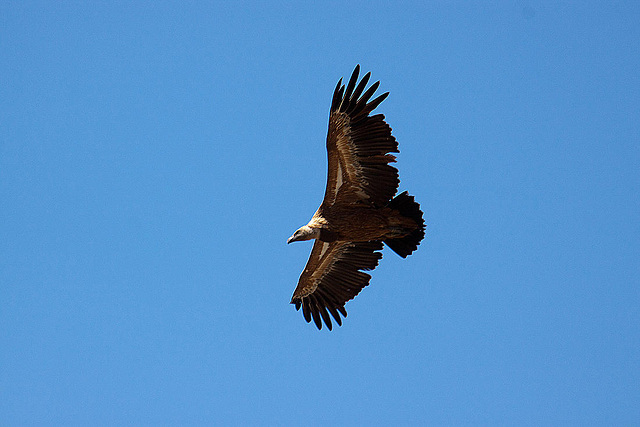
(332, 277)
(358, 147)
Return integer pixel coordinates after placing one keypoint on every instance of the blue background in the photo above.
(155, 156)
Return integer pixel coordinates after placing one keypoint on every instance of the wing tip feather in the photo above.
(351, 99)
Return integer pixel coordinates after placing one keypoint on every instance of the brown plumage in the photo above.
(359, 211)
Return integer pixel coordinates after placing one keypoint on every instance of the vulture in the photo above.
(360, 210)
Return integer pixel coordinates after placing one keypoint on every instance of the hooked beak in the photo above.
(291, 239)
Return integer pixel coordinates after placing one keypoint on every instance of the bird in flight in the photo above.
(359, 211)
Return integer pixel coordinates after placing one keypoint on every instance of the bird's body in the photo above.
(336, 223)
(359, 211)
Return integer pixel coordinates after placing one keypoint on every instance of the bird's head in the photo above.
(304, 233)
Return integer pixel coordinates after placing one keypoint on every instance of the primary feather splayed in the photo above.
(359, 211)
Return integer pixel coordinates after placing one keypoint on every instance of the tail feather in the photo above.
(407, 206)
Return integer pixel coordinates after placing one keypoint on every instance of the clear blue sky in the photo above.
(154, 158)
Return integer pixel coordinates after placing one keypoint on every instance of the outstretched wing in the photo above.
(332, 277)
(358, 145)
